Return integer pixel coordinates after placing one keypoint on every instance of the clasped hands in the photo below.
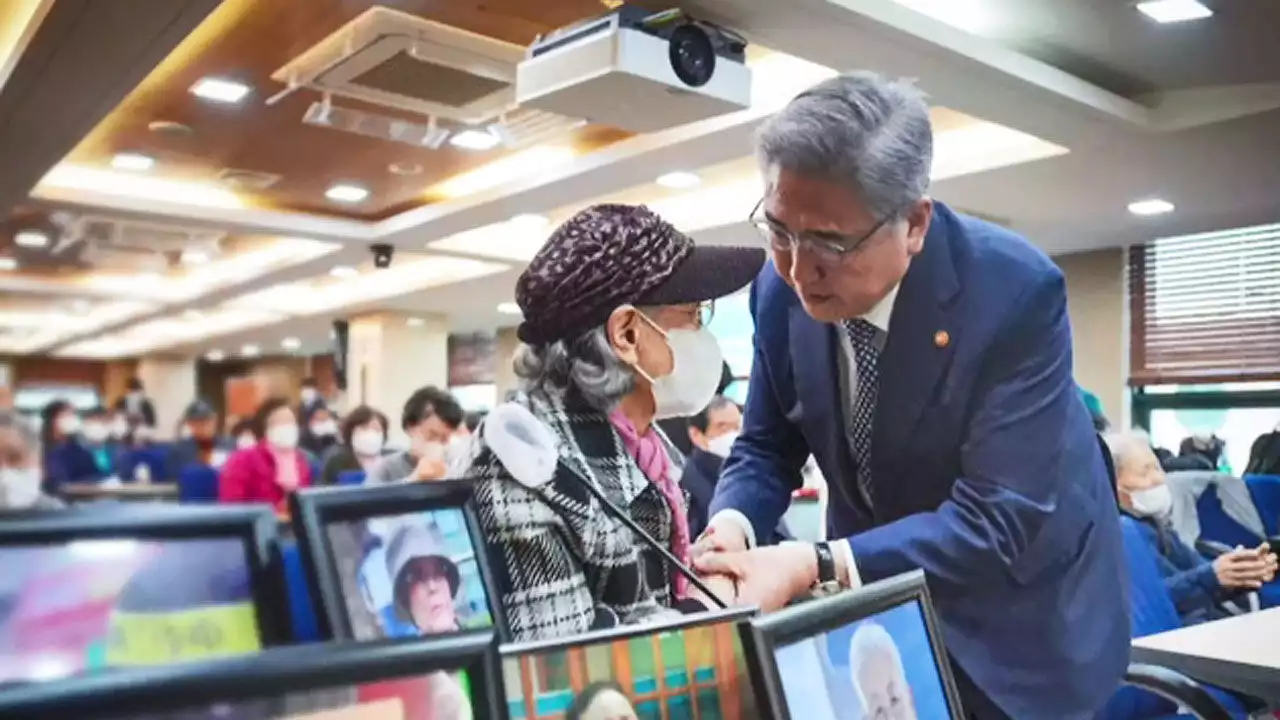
(768, 577)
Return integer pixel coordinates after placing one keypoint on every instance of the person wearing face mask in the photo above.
(711, 435)
(364, 437)
(1197, 586)
(201, 443)
(614, 337)
(321, 434)
(81, 448)
(135, 404)
(242, 434)
(923, 357)
(309, 398)
(273, 468)
(20, 466)
(430, 418)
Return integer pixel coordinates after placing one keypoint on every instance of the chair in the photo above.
(1265, 491)
(351, 477)
(302, 612)
(1218, 527)
(197, 484)
(1157, 692)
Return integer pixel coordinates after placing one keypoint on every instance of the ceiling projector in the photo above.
(637, 70)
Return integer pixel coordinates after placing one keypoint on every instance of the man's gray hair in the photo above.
(861, 130)
(1123, 444)
(586, 363)
(871, 643)
(10, 420)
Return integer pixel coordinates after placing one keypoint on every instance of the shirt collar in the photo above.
(880, 314)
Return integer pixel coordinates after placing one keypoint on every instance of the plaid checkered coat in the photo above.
(562, 564)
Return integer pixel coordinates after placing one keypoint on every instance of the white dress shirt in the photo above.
(879, 317)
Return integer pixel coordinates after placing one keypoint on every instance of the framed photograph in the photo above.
(859, 655)
(691, 667)
(133, 586)
(403, 560)
(442, 678)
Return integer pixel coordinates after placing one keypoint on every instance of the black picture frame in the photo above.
(254, 525)
(739, 616)
(272, 673)
(764, 634)
(313, 509)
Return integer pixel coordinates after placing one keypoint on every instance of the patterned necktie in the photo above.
(863, 336)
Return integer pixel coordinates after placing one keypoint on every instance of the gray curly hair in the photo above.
(586, 363)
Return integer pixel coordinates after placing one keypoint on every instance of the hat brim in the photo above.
(707, 273)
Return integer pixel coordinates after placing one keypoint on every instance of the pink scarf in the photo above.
(651, 456)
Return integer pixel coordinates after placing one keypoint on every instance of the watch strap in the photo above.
(826, 563)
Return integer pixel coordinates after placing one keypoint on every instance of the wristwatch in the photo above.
(827, 583)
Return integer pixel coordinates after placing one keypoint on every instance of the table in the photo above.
(83, 492)
(1240, 653)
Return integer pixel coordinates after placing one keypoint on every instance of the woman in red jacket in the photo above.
(269, 471)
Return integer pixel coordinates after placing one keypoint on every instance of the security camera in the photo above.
(382, 254)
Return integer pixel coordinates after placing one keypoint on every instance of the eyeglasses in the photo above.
(831, 246)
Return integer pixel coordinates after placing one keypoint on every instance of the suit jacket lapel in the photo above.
(921, 340)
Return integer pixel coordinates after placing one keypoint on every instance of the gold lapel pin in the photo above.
(942, 338)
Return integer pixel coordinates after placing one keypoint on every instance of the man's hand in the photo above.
(430, 468)
(724, 536)
(1245, 568)
(769, 577)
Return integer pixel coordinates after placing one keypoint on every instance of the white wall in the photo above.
(1098, 305)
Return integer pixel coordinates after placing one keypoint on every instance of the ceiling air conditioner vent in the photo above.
(402, 61)
(247, 179)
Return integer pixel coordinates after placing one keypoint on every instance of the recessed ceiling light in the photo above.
(194, 257)
(31, 239)
(472, 139)
(344, 271)
(1174, 11)
(133, 161)
(215, 356)
(509, 308)
(8, 263)
(679, 180)
(291, 343)
(192, 315)
(169, 127)
(415, 322)
(250, 350)
(220, 90)
(1152, 206)
(345, 193)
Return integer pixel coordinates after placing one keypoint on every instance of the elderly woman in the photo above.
(614, 338)
(21, 466)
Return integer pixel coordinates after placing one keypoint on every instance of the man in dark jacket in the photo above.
(711, 434)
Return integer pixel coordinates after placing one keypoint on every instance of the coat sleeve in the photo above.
(1029, 462)
(764, 467)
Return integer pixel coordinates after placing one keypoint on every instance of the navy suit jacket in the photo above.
(986, 470)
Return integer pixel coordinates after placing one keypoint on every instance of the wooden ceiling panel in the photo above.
(248, 40)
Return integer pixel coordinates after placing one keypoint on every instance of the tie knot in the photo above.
(860, 331)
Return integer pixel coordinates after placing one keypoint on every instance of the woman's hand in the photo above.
(769, 577)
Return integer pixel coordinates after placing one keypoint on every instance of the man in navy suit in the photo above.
(924, 358)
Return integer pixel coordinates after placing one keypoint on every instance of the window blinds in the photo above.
(1206, 308)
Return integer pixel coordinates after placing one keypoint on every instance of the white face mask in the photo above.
(367, 442)
(246, 441)
(324, 428)
(119, 428)
(1154, 502)
(21, 486)
(95, 432)
(431, 450)
(283, 437)
(308, 395)
(185, 432)
(695, 372)
(143, 433)
(68, 424)
(722, 444)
